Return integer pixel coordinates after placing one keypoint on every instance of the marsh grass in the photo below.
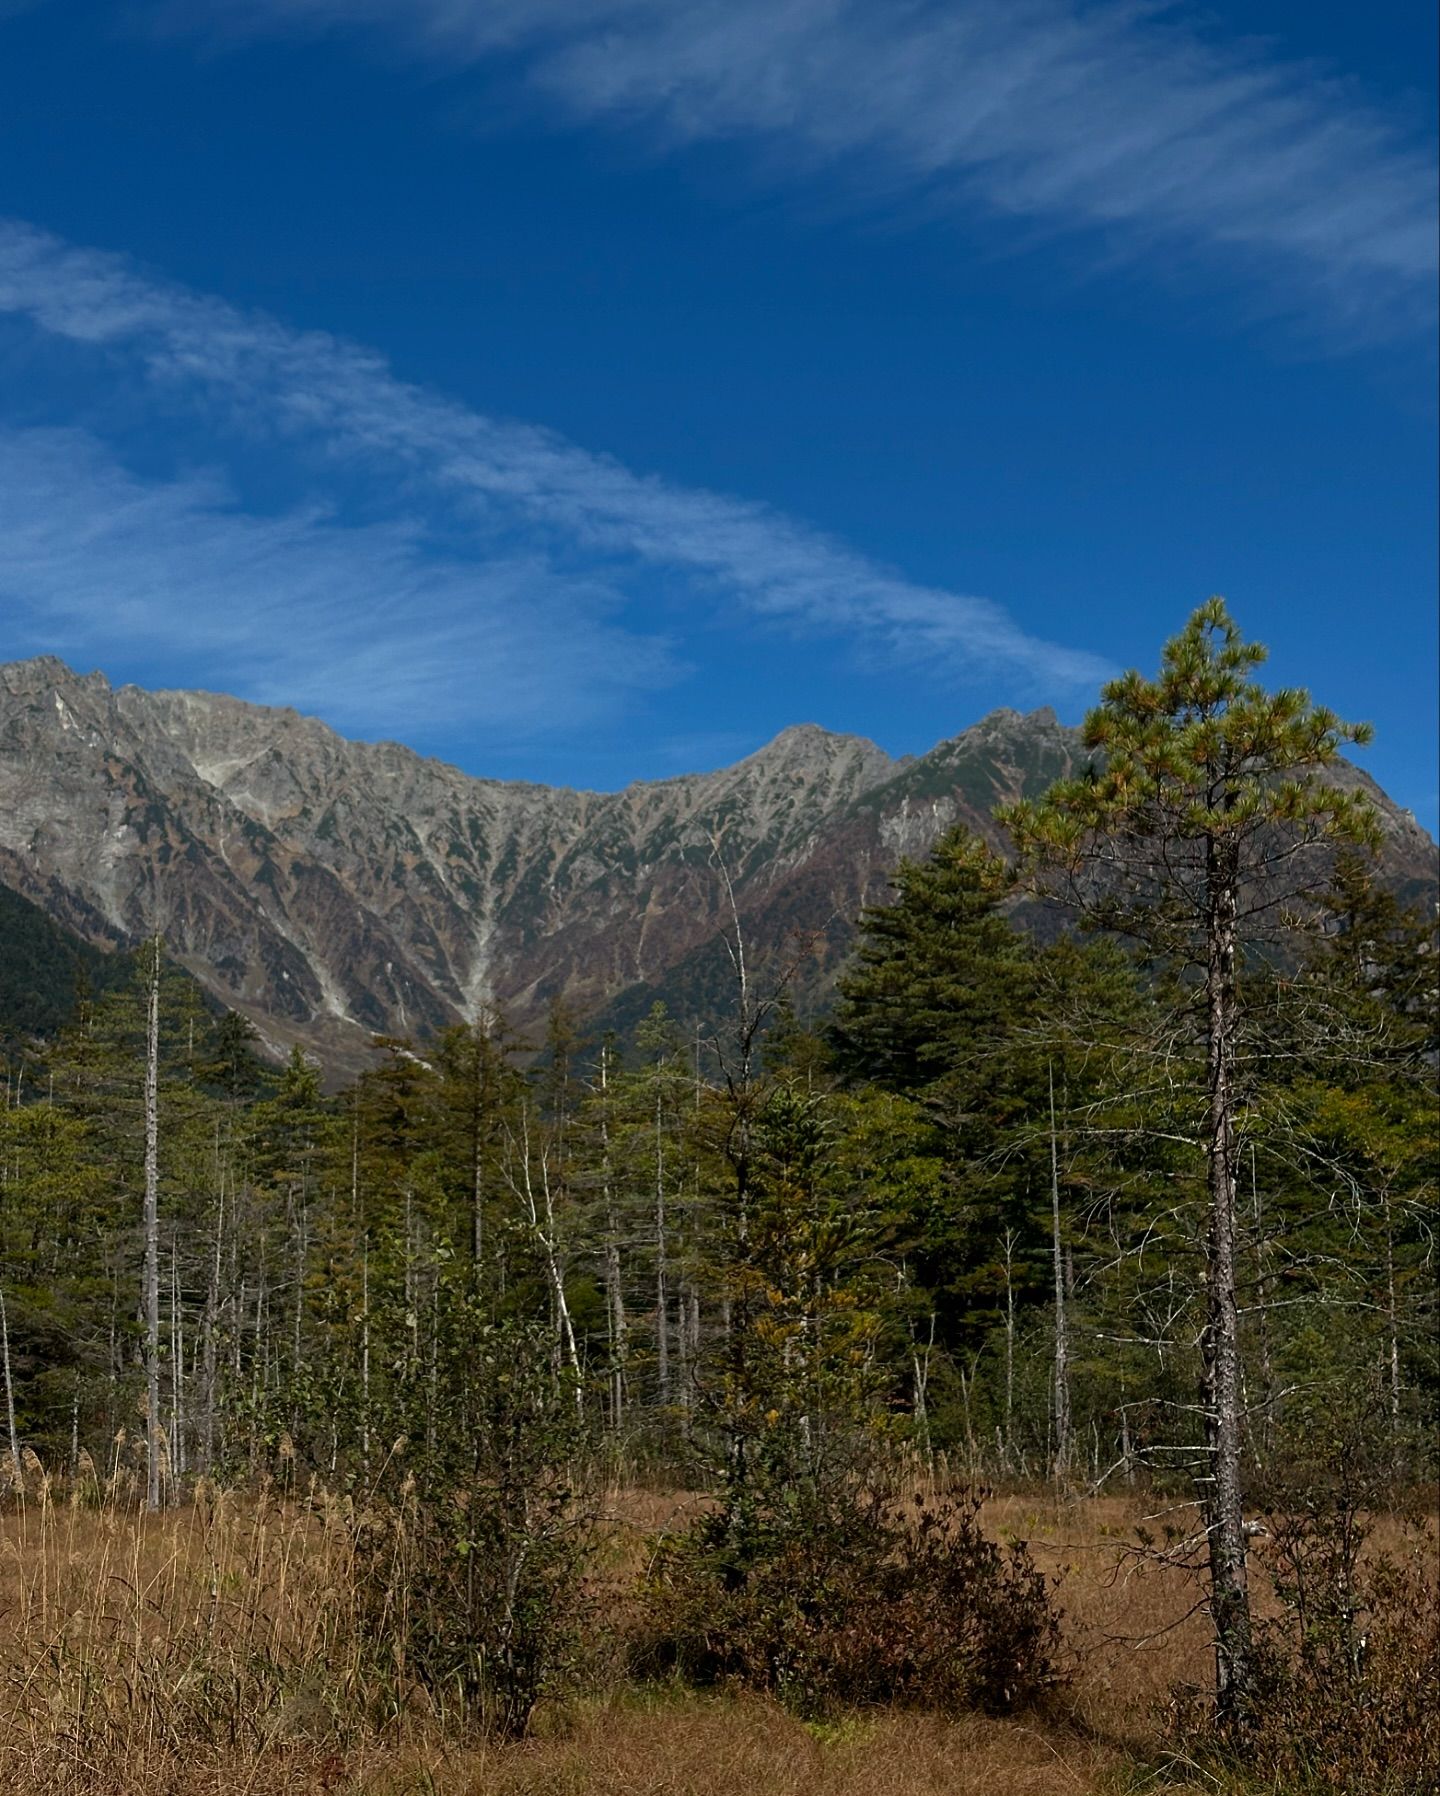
(221, 1628)
(221, 1649)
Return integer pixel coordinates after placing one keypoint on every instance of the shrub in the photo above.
(1348, 1683)
(1347, 1673)
(470, 1569)
(836, 1600)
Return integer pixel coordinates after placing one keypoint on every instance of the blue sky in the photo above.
(583, 390)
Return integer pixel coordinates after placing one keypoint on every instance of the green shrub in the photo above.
(470, 1565)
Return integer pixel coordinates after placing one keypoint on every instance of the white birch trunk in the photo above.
(152, 1234)
(9, 1392)
(1062, 1340)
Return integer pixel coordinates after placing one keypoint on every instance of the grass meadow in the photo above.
(212, 1650)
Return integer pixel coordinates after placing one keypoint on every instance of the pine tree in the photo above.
(1201, 826)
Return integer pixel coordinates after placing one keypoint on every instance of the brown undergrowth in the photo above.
(216, 1650)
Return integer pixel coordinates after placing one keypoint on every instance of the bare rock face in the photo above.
(333, 890)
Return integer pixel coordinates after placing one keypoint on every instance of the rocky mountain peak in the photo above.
(332, 889)
(812, 741)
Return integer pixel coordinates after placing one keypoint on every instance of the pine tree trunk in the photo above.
(1229, 1591)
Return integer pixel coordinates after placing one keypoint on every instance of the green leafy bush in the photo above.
(470, 1565)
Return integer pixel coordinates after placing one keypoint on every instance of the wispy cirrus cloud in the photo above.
(494, 534)
(357, 622)
(1116, 118)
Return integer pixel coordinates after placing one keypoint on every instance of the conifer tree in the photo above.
(1202, 827)
(936, 974)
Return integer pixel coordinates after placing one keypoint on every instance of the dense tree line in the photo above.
(972, 1213)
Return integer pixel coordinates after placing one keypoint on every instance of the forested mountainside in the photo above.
(46, 970)
(331, 890)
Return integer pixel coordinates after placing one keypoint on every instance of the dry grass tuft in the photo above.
(221, 1630)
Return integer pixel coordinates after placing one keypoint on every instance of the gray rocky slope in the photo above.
(332, 890)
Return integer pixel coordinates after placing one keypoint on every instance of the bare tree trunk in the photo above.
(412, 1296)
(1220, 1345)
(1126, 1456)
(477, 1158)
(662, 1269)
(966, 1386)
(687, 1339)
(545, 1234)
(302, 1255)
(9, 1392)
(237, 1329)
(1009, 1347)
(152, 1234)
(689, 1332)
(614, 1287)
(259, 1362)
(177, 1370)
(114, 1351)
(920, 1363)
(365, 1359)
(1262, 1298)
(434, 1372)
(1062, 1342)
(210, 1347)
(557, 1280)
(1393, 1325)
(739, 1081)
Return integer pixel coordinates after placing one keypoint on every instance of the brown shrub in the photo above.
(853, 1602)
(1347, 1670)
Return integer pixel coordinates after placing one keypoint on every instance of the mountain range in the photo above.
(332, 890)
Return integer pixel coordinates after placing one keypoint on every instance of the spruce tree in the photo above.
(937, 973)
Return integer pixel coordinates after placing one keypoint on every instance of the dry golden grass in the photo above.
(689, 1747)
(694, 1747)
(213, 1651)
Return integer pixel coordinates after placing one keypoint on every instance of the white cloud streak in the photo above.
(1113, 117)
(358, 623)
(337, 406)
